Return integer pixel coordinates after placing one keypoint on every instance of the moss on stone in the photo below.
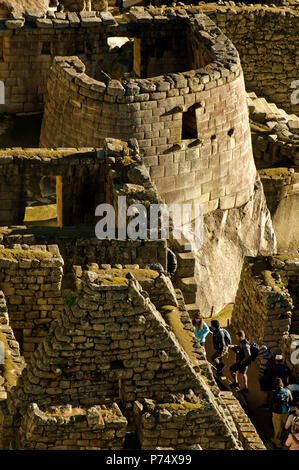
(173, 407)
(19, 255)
(53, 154)
(140, 274)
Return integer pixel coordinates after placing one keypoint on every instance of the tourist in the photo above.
(294, 389)
(201, 330)
(280, 370)
(171, 262)
(243, 359)
(221, 340)
(60, 8)
(279, 405)
(265, 373)
(291, 418)
(293, 439)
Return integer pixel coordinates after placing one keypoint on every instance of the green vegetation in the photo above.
(19, 255)
(172, 407)
(223, 316)
(113, 274)
(69, 300)
(53, 154)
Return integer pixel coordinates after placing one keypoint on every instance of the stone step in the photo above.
(257, 111)
(274, 108)
(267, 106)
(186, 264)
(188, 286)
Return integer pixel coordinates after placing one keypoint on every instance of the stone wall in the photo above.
(214, 168)
(66, 428)
(266, 41)
(263, 306)
(11, 363)
(28, 53)
(80, 247)
(179, 425)
(110, 342)
(31, 282)
(281, 187)
(80, 169)
(247, 433)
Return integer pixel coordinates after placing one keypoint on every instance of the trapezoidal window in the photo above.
(43, 201)
(46, 48)
(189, 125)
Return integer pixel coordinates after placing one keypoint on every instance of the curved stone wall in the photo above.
(215, 167)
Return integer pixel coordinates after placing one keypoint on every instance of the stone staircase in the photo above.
(185, 281)
(263, 112)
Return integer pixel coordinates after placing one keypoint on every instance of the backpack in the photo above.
(254, 351)
(280, 403)
(295, 424)
(227, 337)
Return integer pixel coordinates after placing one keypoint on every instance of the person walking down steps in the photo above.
(243, 359)
(221, 341)
(279, 405)
(201, 330)
(293, 438)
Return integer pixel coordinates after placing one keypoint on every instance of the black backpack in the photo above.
(254, 351)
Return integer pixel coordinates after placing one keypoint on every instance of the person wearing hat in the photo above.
(280, 370)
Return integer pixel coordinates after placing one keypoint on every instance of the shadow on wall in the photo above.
(20, 130)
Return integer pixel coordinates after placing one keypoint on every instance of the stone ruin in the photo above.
(98, 342)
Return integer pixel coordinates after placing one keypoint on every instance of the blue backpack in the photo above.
(280, 402)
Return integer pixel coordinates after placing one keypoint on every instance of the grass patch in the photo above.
(53, 154)
(172, 407)
(280, 172)
(139, 274)
(223, 316)
(19, 255)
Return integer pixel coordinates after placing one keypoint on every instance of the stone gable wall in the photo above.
(31, 282)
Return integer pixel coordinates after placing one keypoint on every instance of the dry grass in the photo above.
(18, 255)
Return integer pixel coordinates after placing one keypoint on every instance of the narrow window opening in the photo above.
(189, 124)
(46, 48)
